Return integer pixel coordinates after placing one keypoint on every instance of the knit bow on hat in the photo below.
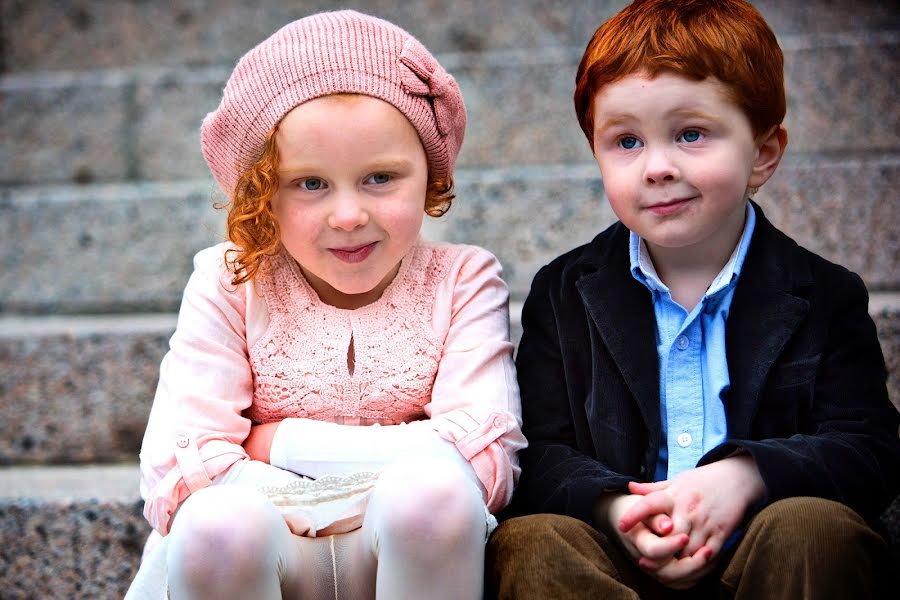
(423, 76)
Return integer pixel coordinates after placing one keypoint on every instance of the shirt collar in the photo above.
(643, 270)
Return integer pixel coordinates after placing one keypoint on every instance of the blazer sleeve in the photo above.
(475, 399)
(196, 427)
(560, 471)
(851, 452)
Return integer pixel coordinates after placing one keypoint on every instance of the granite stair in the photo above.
(104, 199)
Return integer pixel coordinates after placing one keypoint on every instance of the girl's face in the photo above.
(351, 197)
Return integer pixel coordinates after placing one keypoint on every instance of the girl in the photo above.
(337, 416)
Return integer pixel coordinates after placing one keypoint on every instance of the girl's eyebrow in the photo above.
(391, 164)
(388, 163)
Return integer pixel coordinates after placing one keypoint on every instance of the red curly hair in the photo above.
(725, 39)
(252, 226)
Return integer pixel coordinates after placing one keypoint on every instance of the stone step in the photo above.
(128, 247)
(44, 35)
(143, 123)
(79, 389)
(78, 532)
(102, 248)
(70, 532)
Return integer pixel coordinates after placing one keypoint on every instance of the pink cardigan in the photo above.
(435, 346)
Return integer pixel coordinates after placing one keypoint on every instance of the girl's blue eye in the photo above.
(629, 142)
(691, 135)
(312, 184)
(379, 178)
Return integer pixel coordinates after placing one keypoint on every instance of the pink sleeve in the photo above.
(195, 428)
(475, 401)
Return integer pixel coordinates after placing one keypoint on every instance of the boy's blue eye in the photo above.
(312, 184)
(691, 135)
(379, 178)
(629, 142)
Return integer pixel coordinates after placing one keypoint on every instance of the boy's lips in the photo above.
(667, 207)
(353, 254)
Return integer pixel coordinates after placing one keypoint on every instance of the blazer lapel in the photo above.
(765, 313)
(622, 310)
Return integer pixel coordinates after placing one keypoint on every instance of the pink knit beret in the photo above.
(331, 53)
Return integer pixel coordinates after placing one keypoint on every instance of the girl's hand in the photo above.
(259, 443)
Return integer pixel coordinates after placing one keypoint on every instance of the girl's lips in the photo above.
(354, 254)
(669, 207)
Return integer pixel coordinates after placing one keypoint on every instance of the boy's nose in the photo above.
(659, 167)
(348, 212)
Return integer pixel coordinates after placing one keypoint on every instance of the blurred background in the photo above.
(105, 197)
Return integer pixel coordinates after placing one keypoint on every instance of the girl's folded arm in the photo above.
(196, 427)
(475, 399)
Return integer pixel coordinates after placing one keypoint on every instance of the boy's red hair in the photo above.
(252, 226)
(725, 39)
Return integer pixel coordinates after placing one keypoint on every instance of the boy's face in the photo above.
(677, 157)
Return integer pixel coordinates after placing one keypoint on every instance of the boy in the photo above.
(705, 398)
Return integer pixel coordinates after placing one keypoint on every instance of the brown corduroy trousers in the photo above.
(799, 548)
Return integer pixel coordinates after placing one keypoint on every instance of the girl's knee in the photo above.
(429, 501)
(222, 530)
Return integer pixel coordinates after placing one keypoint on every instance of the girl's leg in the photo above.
(424, 532)
(230, 542)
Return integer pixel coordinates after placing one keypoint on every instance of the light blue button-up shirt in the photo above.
(693, 369)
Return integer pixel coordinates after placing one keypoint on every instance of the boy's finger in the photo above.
(712, 543)
(660, 524)
(644, 488)
(658, 548)
(683, 570)
(650, 565)
(646, 507)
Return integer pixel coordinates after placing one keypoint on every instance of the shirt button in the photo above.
(682, 342)
(499, 423)
(182, 441)
(684, 440)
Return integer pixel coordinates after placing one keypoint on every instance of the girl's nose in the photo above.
(659, 167)
(348, 212)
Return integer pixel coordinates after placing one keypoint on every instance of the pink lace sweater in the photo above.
(435, 346)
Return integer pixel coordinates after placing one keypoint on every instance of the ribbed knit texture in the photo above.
(331, 53)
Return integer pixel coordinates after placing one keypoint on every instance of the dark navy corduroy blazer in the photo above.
(807, 398)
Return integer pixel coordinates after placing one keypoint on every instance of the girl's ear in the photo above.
(770, 149)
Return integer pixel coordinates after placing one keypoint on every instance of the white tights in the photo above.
(422, 537)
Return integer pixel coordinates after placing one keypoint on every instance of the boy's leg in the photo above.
(805, 548)
(554, 556)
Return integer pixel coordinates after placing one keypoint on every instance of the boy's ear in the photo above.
(770, 149)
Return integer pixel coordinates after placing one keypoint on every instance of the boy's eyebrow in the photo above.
(692, 113)
(677, 112)
(613, 121)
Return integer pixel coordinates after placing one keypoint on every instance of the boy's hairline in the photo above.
(763, 108)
